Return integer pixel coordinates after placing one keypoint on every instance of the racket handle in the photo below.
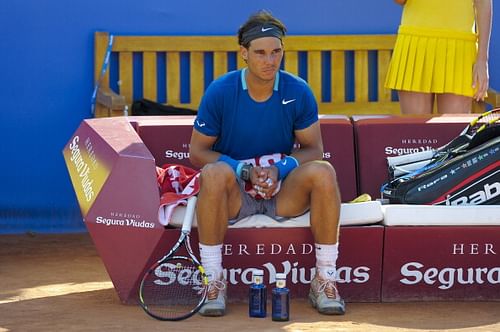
(408, 168)
(189, 215)
(409, 158)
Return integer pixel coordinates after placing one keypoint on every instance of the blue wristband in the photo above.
(235, 164)
(285, 166)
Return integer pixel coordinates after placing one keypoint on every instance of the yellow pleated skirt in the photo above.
(432, 61)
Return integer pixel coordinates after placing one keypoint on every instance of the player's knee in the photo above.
(215, 175)
(324, 172)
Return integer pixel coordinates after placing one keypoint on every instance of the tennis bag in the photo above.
(470, 178)
(149, 107)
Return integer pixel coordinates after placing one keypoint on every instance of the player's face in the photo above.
(264, 57)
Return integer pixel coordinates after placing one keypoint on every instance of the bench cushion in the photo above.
(363, 213)
(433, 215)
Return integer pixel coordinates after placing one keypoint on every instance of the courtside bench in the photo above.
(395, 253)
(112, 163)
(345, 72)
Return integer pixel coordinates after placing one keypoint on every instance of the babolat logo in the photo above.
(486, 193)
(179, 155)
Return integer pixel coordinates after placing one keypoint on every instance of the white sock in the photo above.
(211, 259)
(326, 259)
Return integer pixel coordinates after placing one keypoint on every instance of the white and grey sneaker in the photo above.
(325, 297)
(215, 304)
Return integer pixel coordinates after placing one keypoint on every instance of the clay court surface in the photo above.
(58, 283)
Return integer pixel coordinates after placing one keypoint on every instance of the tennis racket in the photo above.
(457, 144)
(175, 287)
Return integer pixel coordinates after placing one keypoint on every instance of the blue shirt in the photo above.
(246, 128)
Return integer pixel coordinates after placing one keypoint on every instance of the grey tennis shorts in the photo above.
(251, 206)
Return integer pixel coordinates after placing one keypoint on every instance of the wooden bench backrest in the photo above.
(335, 64)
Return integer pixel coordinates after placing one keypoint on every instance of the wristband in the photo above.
(285, 166)
(235, 164)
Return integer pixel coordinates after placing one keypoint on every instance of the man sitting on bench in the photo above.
(243, 138)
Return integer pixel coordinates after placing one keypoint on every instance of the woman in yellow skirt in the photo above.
(441, 53)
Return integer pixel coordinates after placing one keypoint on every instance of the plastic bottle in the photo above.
(257, 296)
(281, 299)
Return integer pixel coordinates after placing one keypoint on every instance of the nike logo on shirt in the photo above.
(284, 102)
(200, 124)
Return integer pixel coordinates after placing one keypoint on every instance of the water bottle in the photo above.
(257, 296)
(281, 299)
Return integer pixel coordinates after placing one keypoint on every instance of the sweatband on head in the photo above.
(285, 166)
(259, 31)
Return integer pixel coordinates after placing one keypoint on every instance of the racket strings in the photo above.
(173, 289)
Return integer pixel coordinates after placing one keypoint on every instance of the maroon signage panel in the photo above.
(388, 136)
(106, 158)
(168, 139)
(441, 263)
(359, 266)
(338, 146)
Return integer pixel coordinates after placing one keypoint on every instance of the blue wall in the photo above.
(46, 58)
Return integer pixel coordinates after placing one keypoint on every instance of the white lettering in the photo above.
(228, 250)
(491, 190)
(243, 249)
(82, 169)
(458, 249)
(307, 248)
(447, 277)
(489, 249)
(291, 250)
(124, 222)
(260, 249)
(176, 155)
(275, 248)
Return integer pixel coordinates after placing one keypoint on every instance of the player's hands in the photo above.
(265, 180)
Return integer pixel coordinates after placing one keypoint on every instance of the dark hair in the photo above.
(258, 19)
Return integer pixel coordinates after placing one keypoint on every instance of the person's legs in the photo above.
(314, 185)
(218, 200)
(448, 103)
(415, 102)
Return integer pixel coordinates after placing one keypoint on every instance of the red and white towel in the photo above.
(176, 183)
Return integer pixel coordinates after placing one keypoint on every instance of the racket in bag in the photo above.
(468, 177)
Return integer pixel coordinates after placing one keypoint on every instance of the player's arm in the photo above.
(200, 149)
(400, 2)
(483, 10)
(310, 144)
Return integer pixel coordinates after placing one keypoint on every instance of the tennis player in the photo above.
(243, 139)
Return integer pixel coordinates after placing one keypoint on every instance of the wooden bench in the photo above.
(345, 72)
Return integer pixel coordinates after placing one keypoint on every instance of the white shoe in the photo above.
(215, 304)
(325, 297)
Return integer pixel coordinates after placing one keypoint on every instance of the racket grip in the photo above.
(189, 215)
(408, 168)
(409, 158)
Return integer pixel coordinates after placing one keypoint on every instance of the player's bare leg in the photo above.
(218, 200)
(314, 185)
